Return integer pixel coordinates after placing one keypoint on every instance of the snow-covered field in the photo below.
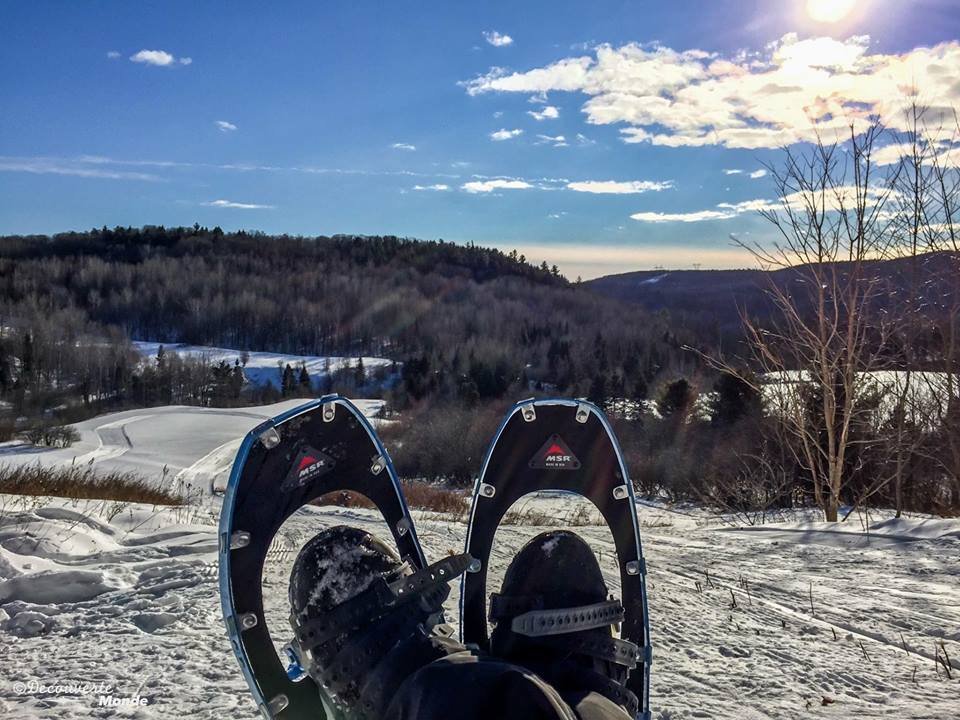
(126, 596)
(262, 367)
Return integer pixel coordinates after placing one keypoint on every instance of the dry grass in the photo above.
(582, 515)
(83, 483)
(419, 495)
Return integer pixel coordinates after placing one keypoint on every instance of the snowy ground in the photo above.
(262, 367)
(126, 596)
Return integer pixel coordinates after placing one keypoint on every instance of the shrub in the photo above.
(82, 482)
(54, 436)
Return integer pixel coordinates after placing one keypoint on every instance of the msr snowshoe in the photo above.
(364, 620)
(553, 616)
(565, 445)
(323, 446)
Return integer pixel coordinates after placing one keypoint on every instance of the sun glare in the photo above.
(829, 11)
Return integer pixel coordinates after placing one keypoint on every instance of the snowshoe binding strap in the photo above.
(429, 586)
(620, 652)
(537, 623)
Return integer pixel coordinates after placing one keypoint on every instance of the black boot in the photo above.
(364, 620)
(553, 616)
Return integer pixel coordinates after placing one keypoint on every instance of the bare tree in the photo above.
(832, 226)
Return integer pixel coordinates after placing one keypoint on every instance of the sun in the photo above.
(829, 11)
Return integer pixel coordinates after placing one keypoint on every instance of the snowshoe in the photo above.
(564, 445)
(553, 616)
(364, 620)
(323, 446)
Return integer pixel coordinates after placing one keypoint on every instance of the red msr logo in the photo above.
(306, 464)
(309, 465)
(555, 455)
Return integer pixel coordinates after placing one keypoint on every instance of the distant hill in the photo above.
(710, 301)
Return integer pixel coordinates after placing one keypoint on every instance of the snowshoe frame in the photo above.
(248, 523)
(602, 478)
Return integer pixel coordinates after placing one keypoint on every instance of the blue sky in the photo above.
(597, 135)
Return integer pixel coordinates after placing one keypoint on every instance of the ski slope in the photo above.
(126, 596)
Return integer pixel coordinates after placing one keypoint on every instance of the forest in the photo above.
(464, 324)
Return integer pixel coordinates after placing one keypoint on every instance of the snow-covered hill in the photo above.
(263, 367)
(190, 449)
(126, 596)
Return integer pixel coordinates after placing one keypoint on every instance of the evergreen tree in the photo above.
(306, 386)
(359, 374)
(675, 398)
(287, 384)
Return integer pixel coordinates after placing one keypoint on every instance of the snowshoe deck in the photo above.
(558, 445)
(323, 446)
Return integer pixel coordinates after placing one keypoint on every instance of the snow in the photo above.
(262, 367)
(189, 449)
(760, 622)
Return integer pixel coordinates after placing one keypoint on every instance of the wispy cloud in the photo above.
(724, 211)
(758, 173)
(688, 217)
(791, 91)
(504, 134)
(438, 187)
(497, 39)
(733, 171)
(61, 166)
(555, 140)
(549, 112)
(237, 205)
(225, 126)
(613, 187)
(487, 186)
(113, 55)
(403, 146)
(159, 58)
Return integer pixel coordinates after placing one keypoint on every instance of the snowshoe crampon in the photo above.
(564, 445)
(323, 446)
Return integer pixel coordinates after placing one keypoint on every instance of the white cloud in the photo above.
(159, 58)
(733, 172)
(403, 146)
(225, 126)
(698, 216)
(555, 140)
(504, 134)
(439, 187)
(237, 205)
(612, 187)
(758, 174)
(77, 167)
(549, 112)
(486, 186)
(497, 39)
(113, 54)
(498, 114)
(584, 141)
(787, 93)
(557, 215)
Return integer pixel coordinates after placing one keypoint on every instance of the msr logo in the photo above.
(309, 465)
(554, 455)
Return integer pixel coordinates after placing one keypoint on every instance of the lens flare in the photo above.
(829, 11)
